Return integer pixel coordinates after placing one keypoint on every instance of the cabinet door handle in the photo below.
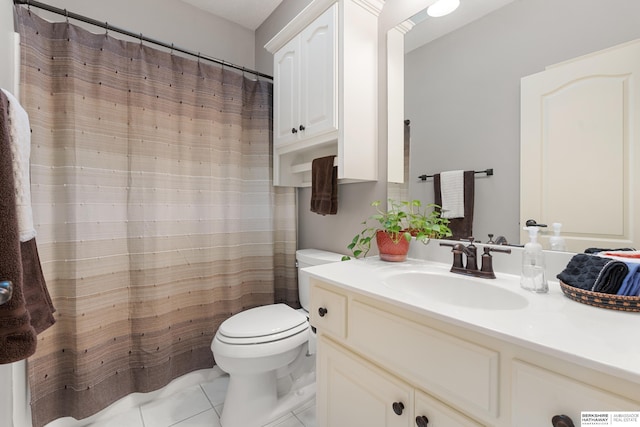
(422, 421)
(302, 127)
(294, 130)
(398, 407)
(322, 311)
(561, 421)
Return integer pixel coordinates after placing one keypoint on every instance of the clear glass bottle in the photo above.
(533, 265)
(557, 241)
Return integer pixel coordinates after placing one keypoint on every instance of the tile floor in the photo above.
(186, 405)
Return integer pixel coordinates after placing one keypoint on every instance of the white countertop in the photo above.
(598, 338)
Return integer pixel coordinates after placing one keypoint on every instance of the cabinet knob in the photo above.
(561, 421)
(294, 130)
(398, 407)
(422, 421)
(302, 127)
(322, 311)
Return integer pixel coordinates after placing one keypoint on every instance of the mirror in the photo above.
(462, 91)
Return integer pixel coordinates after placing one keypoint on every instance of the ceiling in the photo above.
(248, 13)
(252, 13)
(427, 29)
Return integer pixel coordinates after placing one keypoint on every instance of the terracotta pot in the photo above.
(390, 250)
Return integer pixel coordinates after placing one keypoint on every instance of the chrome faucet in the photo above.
(471, 253)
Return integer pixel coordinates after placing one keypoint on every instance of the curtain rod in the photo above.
(139, 36)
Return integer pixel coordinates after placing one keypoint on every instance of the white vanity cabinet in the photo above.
(357, 393)
(382, 364)
(326, 91)
(373, 371)
(539, 394)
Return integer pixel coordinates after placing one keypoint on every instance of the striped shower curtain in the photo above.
(155, 212)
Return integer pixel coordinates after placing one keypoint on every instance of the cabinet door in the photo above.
(318, 98)
(579, 120)
(440, 415)
(286, 101)
(354, 393)
(538, 395)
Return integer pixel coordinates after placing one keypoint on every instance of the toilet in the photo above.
(263, 345)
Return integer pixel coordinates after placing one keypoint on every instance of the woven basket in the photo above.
(598, 299)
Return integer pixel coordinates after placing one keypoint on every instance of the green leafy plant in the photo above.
(401, 220)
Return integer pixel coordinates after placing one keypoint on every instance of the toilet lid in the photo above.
(262, 324)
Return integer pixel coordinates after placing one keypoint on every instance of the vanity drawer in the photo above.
(538, 395)
(328, 310)
(460, 372)
(439, 414)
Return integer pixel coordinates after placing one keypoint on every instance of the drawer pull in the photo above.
(294, 130)
(302, 127)
(322, 311)
(422, 421)
(561, 421)
(398, 407)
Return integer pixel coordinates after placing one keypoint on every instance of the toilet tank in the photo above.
(308, 258)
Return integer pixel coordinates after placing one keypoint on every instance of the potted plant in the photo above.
(395, 227)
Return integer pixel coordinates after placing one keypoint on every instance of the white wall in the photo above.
(6, 45)
(463, 93)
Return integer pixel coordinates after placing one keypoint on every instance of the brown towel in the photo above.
(461, 228)
(17, 336)
(324, 186)
(36, 294)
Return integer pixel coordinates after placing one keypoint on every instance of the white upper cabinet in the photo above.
(286, 94)
(326, 91)
(305, 96)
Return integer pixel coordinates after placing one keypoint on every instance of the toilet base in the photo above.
(250, 399)
(256, 400)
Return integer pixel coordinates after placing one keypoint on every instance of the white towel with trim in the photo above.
(452, 191)
(20, 137)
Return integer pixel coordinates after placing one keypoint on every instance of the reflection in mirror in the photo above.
(462, 92)
(400, 190)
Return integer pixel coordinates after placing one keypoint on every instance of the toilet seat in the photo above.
(261, 325)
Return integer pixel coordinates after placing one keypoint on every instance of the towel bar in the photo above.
(6, 291)
(489, 172)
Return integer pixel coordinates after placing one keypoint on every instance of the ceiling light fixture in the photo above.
(442, 8)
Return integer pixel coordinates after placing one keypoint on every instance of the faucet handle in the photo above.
(488, 249)
(487, 261)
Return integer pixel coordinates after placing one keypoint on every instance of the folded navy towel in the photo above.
(611, 277)
(596, 250)
(594, 273)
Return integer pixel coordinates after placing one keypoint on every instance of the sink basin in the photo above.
(456, 290)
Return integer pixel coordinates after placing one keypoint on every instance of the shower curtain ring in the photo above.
(140, 39)
(66, 15)
(106, 26)
(171, 48)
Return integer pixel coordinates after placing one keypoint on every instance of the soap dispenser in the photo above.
(557, 241)
(533, 265)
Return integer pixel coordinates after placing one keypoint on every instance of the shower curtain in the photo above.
(155, 212)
